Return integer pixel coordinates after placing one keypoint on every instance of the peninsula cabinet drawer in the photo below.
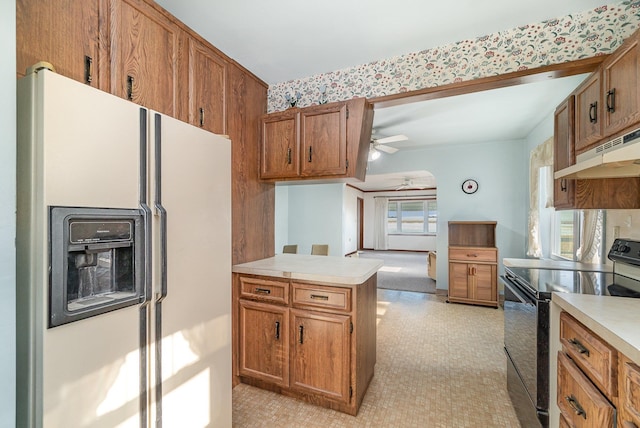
(474, 254)
(316, 296)
(593, 355)
(264, 289)
(580, 402)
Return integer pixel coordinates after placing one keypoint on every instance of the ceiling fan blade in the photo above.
(390, 150)
(392, 139)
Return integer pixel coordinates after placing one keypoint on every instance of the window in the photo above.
(412, 217)
(567, 225)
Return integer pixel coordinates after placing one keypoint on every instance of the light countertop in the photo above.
(327, 269)
(555, 264)
(614, 319)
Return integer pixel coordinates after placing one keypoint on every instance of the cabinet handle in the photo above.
(611, 100)
(262, 291)
(563, 185)
(289, 155)
(472, 255)
(88, 75)
(576, 406)
(301, 334)
(201, 117)
(277, 330)
(309, 153)
(579, 346)
(130, 88)
(593, 112)
(319, 297)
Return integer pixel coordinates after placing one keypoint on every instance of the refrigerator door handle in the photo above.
(162, 212)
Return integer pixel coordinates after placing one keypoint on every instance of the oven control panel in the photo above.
(625, 250)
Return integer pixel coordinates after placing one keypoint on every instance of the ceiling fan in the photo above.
(409, 184)
(378, 145)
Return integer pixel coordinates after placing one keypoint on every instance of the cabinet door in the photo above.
(620, 85)
(563, 140)
(459, 280)
(629, 377)
(323, 140)
(485, 285)
(320, 353)
(588, 113)
(279, 157)
(264, 342)
(146, 50)
(207, 73)
(62, 32)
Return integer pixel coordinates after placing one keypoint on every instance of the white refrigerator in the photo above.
(162, 357)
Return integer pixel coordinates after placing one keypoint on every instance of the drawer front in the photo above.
(580, 402)
(474, 254)
(264, 289)
(630, 394)
(593, 355)
(316, 296)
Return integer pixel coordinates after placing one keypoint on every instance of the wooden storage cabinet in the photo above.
(564, 156)
(64, 33)
(588, 114)
(323, 141)
(312, 341)
(629, 408)
(473, 263)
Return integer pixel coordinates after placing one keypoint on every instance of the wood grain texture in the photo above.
(574, 386)
(207, 86)
(253, 201)
(323, 140)
(609, 193)
(280, 145)
(61, 32)
(629, 393)
(564, 155)
(363, 341)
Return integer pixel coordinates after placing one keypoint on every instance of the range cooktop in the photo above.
(541, 282)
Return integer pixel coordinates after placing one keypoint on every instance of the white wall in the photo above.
(281, 214)
(7, 212)
(396, 242)
(315, 216)
(501, 170)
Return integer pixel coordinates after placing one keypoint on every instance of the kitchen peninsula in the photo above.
(305, 326)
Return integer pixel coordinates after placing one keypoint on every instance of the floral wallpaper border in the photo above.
(593, 32)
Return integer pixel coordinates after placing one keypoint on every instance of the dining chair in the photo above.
(290, 249)
(320, 250)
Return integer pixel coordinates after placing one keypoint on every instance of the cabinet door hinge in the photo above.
(351, 328)
(347, 113)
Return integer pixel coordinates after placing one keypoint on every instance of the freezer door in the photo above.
(191, 193)
(77, 147)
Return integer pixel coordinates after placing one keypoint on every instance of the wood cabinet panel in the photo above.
(620, 96)
(264, 289)
(588, 130)
(320, 353)
(207, 87)
(280, 145)
(147, 57)
(319, 297)
(581, 404)
(564, 156)
(474, 254)
(323, 140)
(629, 408)
(264, 344)
(458, 280)
(61, 32)
(485, 282)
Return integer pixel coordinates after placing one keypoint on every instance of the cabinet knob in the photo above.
(593, 112)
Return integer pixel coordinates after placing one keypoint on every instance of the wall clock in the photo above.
(470, 186)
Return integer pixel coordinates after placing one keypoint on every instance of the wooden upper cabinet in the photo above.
(323, 140)
(147, 58)
(588, 128)
(207, 77)
(64, 33)
(563, 141)
(620, 88)
(279, 149)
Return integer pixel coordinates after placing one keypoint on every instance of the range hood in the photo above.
(617, 158)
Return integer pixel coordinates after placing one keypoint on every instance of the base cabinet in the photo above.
(312, 341)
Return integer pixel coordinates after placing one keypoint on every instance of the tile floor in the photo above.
(438, 365)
